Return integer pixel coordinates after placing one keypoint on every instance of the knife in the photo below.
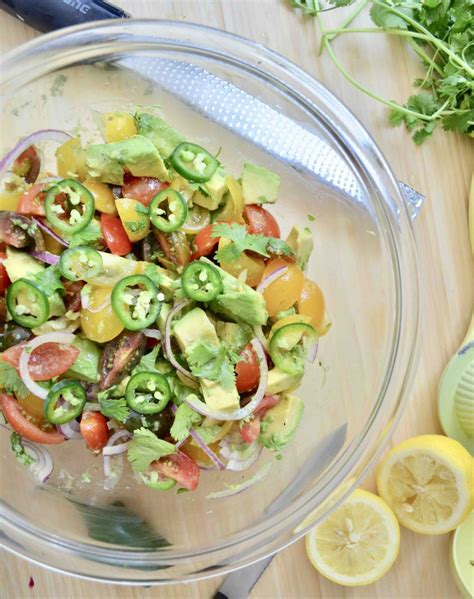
(238, 584)
(227, 104)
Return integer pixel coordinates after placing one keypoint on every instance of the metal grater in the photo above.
(259, 123)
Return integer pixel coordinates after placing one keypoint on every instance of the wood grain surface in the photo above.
(441, 169)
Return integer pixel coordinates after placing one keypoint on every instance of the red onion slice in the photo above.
(50, 232)
(312, 352)
(240, 459)
(152, 334)
(207, 450)
(70, 430)
(33, 387)
(112, 452)
(46, 257)
(55, 135)
(168, 349)
(271, 278)
(236, 489)
(202, 408)
(43, 466)
(237, 465)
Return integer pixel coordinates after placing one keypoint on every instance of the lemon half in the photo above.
(428, 482)
(358, 543)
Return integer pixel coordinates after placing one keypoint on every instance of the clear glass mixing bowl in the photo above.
(364, 260)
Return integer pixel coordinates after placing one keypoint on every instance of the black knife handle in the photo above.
(47, 15)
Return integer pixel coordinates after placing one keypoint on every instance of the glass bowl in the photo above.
(364, 260)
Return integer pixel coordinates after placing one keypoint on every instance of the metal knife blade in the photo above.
(259, 123)
(238, 584)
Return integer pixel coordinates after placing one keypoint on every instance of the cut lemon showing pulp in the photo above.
(356, 544)
(428, 482)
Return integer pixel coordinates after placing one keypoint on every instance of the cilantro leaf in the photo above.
(10, 381)
(184, 419)
(114, 408)
(16, 443)
(145, 448)
(48, 280)
(384, 17)
(89, 235)
(147, 362)
(215, 363)
(243, 241)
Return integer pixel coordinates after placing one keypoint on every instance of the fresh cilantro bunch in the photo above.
(441, 32)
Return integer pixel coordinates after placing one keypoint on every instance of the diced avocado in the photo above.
(21, 265)
(192, 327)
(238, 301)
(301, 242)
(279, 424)
(218, 398)
(86, 366)
(235, 336)
(162, 316)
(196, 327)
(259, 185)
(210, 194)
(162, 135)
(279, 381)
(106, 162)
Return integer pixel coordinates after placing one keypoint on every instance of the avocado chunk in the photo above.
(259, 185)
(106, 162)
(279, 381)
(20, 265)
(279, 424)
(235, 336)
(86, 366)
(162, 316)
(238, 301)
(301, 242)
(209, 195)
(163, 136)
(195, 328)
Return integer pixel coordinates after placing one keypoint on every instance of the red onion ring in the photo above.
(206, 449)
(271, 278)
(46, 257)
(50, 232)
(111, 451)
(59, 137)
(240, 459)
(152, 334)
(236, 489)
(33, 387)
(312, 352)
(70, 430)
(168, 350)
(43, 466)
(200, 407)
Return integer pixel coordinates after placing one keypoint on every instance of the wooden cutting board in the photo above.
(441, 169)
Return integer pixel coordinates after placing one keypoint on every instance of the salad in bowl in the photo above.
(149, 304)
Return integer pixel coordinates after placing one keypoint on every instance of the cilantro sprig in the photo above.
(145, 448)
(215, 363)
(441, 33)
(16, 444)
(243, 241)
(10, 381)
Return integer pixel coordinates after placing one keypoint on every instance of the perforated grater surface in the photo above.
(259, 123)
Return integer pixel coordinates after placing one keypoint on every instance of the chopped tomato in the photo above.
(115, 235)
(204, 243)
(269, 401)
(250, 430)
(46, 361)
(180, 467)
(28, 165)
(94, 430)
(143, 189)
(72, 298)
(20, 424)
(260, 221)
(285, 290)
(4, 279)
(32, 201)
(248, 370)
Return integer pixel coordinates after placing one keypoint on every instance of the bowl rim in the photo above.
(368, 149)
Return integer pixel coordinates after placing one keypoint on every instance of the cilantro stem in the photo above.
(370, 93)
(431, 61)
(348, 20)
